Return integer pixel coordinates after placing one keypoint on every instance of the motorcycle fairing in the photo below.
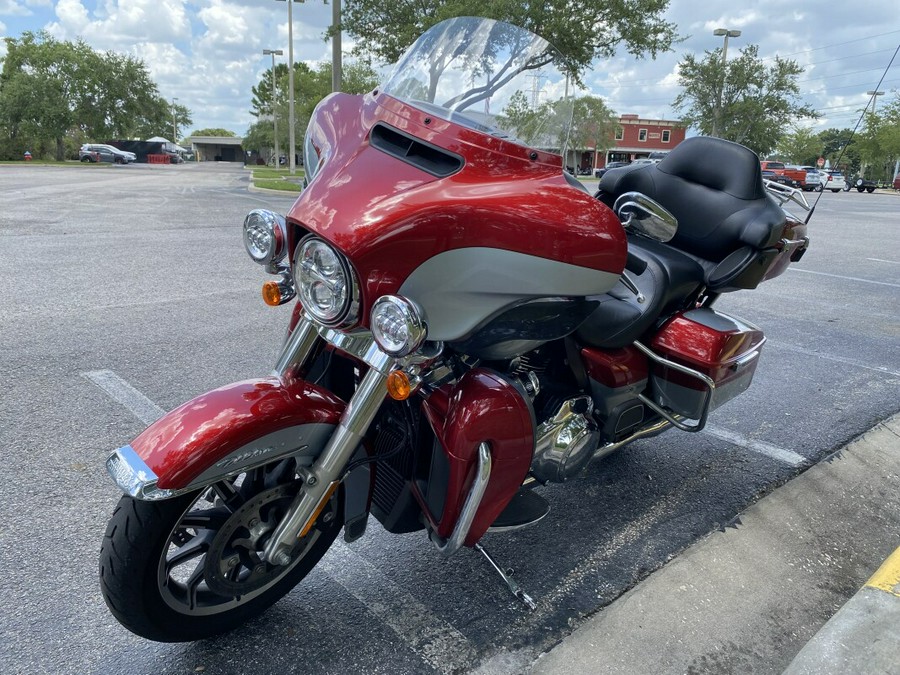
(390, 217)
(482, 406)
(238, 426)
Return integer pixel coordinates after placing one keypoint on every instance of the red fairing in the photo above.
(188, 440)
(389, 217)
(481, 407)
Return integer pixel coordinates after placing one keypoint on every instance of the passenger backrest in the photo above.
(714, 188)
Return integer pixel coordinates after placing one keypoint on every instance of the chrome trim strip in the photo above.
(470, 507)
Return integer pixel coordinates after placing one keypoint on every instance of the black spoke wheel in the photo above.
(191, 567)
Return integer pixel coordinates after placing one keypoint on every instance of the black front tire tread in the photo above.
(129, 556)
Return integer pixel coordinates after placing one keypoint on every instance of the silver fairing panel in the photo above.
(463, 288)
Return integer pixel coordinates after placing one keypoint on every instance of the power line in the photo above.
(837, 44)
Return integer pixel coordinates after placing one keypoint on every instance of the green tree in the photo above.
(214, 132)
(879, 140)
(55, 94)
(593, 125)
(758, 102)
(581, 31)
(801, 146)
(310, 87)
(840, 150)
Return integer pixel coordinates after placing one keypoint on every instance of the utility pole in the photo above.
(292, 140)
(174, 124)
(274, 53)
(336, 69)
(718, 32)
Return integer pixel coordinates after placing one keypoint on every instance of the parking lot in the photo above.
(136, 275)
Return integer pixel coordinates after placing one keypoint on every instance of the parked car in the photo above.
(815, 179)
(797, 176)
(119, 156)
(768, 174)
(835, 181)
(598, 173)
(91, 153)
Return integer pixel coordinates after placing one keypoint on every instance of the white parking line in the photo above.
(122, 392)
(838, 276)
(837, 359)
(435, 641)
(893, 262)
(773, 451)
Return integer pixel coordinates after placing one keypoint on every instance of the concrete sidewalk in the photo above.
(748, 599)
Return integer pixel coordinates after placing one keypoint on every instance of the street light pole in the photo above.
(174, 124)
(874, 95)
(336, 45)
(274, 53)
(719, 32)
(292, 141)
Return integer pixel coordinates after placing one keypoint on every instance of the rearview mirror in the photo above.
(643, 215)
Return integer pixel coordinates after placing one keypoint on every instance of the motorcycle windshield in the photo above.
(489, 76)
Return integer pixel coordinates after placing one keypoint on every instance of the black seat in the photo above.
(726, 221)
(667, 278)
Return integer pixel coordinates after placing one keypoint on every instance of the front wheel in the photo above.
(819, 188)
(870, 190)
(835, 190)
(190, 567)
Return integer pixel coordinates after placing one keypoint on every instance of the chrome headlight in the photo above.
(265, 236)
(325, 283)
(397, 325)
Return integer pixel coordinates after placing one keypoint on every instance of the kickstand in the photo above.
(507, 577)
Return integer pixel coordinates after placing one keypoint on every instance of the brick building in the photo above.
(637, 137)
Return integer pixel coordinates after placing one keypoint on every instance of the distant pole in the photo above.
(174, 124)
(274, 53)
(291, 135)
(874, 95)
(336, 46)
(718, 32)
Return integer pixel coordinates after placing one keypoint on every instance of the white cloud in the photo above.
(13, 8)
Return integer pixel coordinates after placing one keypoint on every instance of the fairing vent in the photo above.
(429, 158)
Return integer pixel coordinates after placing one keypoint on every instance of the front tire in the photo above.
(835, 190)
(189, 568)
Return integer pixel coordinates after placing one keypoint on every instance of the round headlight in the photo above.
(324, 282)
(397, 325)
(265, 235)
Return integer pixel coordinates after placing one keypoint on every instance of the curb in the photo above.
(863, 635)
(770, 591)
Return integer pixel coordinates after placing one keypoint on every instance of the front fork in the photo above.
(323, 477)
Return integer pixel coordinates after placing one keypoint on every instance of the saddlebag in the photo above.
(718, 354)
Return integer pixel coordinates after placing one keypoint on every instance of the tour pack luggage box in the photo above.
(713, 345)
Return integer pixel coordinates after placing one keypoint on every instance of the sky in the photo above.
(208, 53)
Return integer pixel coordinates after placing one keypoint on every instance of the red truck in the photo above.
(797, 176)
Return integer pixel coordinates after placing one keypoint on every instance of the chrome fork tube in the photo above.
(322, 478)
(298, 346)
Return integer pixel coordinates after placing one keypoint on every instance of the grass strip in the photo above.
(282, 185)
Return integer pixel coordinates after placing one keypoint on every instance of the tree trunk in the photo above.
(60, 149)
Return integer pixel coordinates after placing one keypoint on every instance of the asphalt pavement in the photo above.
(139, 273)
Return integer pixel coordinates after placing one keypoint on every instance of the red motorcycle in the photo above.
(472, 324)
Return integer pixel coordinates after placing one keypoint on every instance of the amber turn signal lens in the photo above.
(271, 293)
(398, 385)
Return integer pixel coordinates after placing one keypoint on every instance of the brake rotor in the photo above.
(234, 563)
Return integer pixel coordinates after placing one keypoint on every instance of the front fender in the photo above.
(224, 432)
